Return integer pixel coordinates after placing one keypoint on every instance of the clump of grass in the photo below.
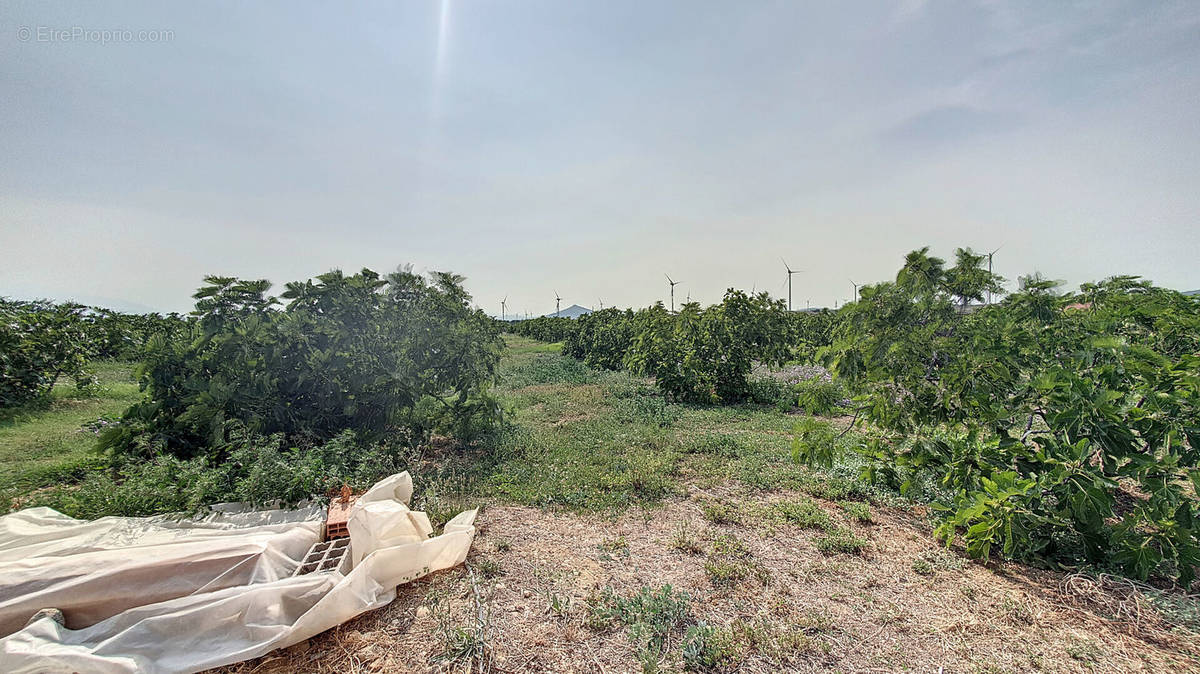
(721, 513)
(729, 572)
(730, 563)
(503, 545)
(649, 616)
(857, 511)
(488, 567)
(726, 544)
(841, 540)
(707, 648)
(782, 642)
(683, 541)
(804, 513)
(932, 561)
(717, 445)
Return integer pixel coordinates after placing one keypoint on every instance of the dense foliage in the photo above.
(545, 328)
(705, 355)
(1061, 428)
(41, 342)
(401, 357)
(602, 338)
(697, 354)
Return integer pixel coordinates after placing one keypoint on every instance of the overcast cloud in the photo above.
(590, 147)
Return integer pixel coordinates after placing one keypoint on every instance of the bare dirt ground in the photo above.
(903, 604)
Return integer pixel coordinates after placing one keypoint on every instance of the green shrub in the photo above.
(819, 397)
(41, 342)
(400, 356)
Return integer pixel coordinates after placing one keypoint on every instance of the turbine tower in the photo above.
(789, 273)
(504, 308)
(855, 289)
(673, 284)
(557, 304)
(989, 256)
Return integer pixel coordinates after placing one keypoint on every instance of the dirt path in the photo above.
(903, 604)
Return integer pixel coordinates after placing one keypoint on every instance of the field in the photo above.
(607, 493)
(902, 485)
(45, 443)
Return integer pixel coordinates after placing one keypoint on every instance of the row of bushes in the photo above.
(42, 342)
(1057, 427)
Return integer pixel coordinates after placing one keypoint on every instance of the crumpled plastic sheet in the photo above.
(182, 595)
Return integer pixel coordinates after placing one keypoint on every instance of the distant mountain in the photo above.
(1192, 292)
(573, 311)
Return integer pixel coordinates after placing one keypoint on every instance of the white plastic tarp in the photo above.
(168, 595)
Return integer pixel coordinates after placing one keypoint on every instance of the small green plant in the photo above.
(683, 541)
(726, 544)
(857, 511)
(707, 648)
(503, 545)
(649, 616)
(813, 442)
(841, 540)
(932, 561)
(559, 604)
(721, 513)
(489, 568)
(804, 513)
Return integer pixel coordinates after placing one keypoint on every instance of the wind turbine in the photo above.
(673, 284)
(504, 308)
(557, 303)
(855, 289)
(601, 303)
(989, 257)
(789, 273)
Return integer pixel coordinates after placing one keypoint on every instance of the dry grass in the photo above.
(816, 612)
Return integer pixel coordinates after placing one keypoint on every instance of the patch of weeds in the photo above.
(804, 513)
(727, 572)
(503, 545)
(729, 545)
(780, 642)
(611, 548)
(721, 513)
(717, 445)
(614, 544)
(1084, 651)
(649, 616)
(683, 541)
(841, 540)
(559, 604)
(855, 510)
(707, 648)
(463, 643)
(1014, 612)
(488, 567)
(932, 561)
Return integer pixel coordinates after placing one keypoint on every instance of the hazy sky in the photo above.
(590, 147)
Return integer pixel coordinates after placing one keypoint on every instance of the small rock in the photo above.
(499, 586)
(422, 611)
(527, 594)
